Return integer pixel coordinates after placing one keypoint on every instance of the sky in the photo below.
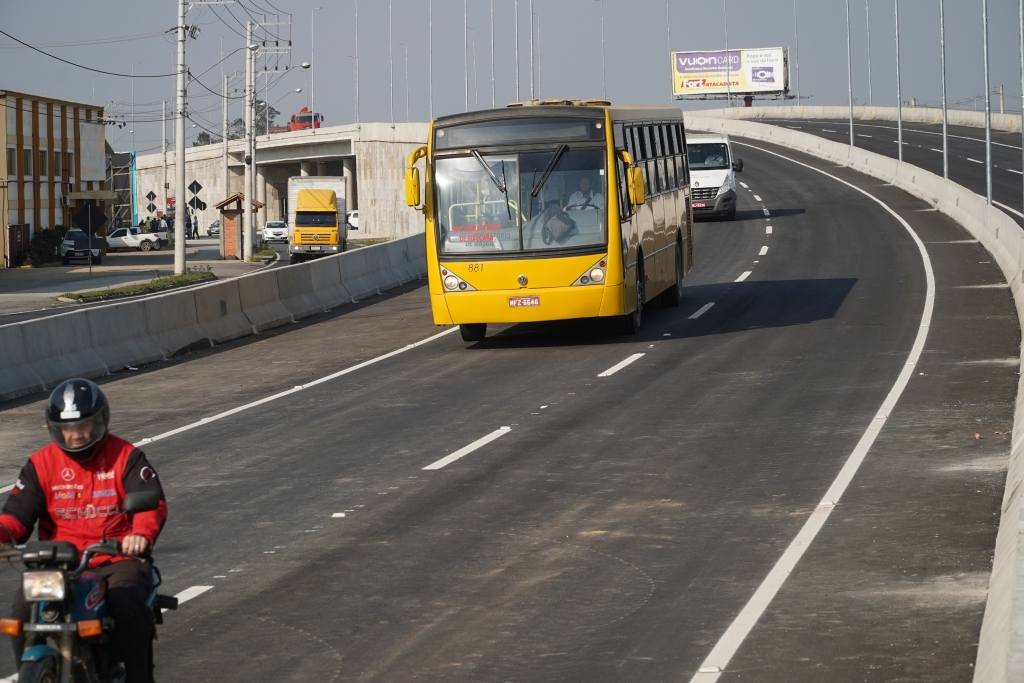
(119, 37)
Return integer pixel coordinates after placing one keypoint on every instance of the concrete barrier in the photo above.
(219, 311)
(1001, 648)
(38, 354)
(1010, 123)
(261, 301)
(295, 285)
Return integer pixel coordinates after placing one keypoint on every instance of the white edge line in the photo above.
(466, 450)
(744, 276)
(702, 310)
(1013, 170)
(618, 366)
(7, 488)
(729, 643)
(274, 397)
(1004, 206)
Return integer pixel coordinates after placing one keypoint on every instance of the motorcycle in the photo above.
(69, 635)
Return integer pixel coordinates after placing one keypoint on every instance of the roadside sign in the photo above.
(89, 219)
(700, 75)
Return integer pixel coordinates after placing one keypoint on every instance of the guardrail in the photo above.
(957, 117)
(35, 355)
(1001, 647)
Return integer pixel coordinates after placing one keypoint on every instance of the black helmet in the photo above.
(77, 405)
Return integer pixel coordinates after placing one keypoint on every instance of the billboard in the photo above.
(757, 72)
(92, 139)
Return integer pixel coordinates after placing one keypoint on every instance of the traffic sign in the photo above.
(197, 204)
(151, 195)
(151, 207)
(89, 219)
(195, 187)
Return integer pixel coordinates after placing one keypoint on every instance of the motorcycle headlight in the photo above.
(43, 586)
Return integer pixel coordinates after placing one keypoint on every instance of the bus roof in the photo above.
(588, 111)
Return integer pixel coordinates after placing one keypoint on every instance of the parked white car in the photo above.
(275, 231)
(133, 238)
(352, 217)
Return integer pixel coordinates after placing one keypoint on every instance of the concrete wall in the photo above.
(1001, 647)
(378, 150)
(957, 117)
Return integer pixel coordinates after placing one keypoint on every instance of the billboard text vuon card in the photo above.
(740, 71)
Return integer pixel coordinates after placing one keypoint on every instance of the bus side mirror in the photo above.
(412, 186)
(637, 196)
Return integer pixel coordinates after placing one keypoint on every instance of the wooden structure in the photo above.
(231, 224)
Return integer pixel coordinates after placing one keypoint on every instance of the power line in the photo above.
(103, 41)
(81, 66)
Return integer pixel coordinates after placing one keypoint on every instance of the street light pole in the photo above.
(988, 106)
(728, 60)
(668, 44)
(604, 80)
(391, 66)
(312, 62)
(942, 60)
(465, 48)
(1020, 11)
(493, 99)
(224, 145)
(899, 87)
(867, 15)
(796, 44)
(179, 148)
(518, 97)
(357, 61)
(250, 162)
(849, 70)
(533, 86)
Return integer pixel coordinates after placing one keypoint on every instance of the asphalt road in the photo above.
(922, 146)
(619, 526)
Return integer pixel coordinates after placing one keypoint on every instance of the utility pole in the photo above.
(849, 70)
(988, 106)
(179, 149)
(899, 87)
(224, 140)
(250, 161)
(163, 151)
(942, 60)
(867, 15)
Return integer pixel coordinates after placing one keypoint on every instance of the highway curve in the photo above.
(615, 531)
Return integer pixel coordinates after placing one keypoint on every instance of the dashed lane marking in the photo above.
(466, 450)
(975, 160)
(718, 659)
(702, 310)
(768, 230)
(268, 399)
(745, 186)
(766, 212)
(744, 276)
(757, 198)
(618, 366)
(764, 250)
(1013, 170)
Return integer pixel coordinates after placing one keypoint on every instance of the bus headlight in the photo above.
(43, 586)
(597, 275)
(451, 283)
(594, 275)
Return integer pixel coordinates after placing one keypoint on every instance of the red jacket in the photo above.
(74, 501)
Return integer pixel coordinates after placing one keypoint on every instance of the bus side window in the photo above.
(625, 210)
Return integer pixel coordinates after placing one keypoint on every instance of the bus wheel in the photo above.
(631, 321)
(473, 332)
(673, 296)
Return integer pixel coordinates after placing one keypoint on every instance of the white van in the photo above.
(713, 171)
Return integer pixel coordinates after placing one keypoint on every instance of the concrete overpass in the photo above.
(371, 156)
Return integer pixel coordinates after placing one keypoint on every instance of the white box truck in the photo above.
(316, 217)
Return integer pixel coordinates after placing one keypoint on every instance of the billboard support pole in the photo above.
(849, 71)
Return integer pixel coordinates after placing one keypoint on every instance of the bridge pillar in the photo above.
(321, 168)
(261, 195)
(305, 168)
(349, 173)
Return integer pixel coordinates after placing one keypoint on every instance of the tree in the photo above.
(236, 131)
(205, 138)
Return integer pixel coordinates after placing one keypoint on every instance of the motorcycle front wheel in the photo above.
(41, 671)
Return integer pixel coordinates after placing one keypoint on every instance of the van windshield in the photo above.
(315, 219)
(707, 155)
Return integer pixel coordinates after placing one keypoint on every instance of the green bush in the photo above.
(43, 246)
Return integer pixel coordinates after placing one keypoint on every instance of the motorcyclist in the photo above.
(73, 488)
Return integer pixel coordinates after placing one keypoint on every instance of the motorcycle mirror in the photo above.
(141, 501)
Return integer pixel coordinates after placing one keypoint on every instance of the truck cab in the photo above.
(316, 230)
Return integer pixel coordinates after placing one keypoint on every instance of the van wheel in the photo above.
(731, 216)
(673, 296)
(473, 332)
(631, 321)
(146, 245)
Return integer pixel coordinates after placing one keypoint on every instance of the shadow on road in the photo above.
(739, 307)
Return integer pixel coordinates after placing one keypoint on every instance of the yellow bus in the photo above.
(554, 210)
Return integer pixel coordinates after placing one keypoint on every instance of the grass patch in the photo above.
(189, 277)
(369, 242)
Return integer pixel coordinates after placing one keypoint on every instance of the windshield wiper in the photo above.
(547, 171)
(500, 185)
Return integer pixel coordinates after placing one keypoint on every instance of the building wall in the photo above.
(40, 160)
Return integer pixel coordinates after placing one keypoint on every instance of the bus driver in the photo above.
(585, 197)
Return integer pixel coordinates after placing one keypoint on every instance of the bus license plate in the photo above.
(700, 205)
(315, 248)
(523, 301)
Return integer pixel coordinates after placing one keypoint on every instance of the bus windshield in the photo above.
(552, 200)
(708, 155)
